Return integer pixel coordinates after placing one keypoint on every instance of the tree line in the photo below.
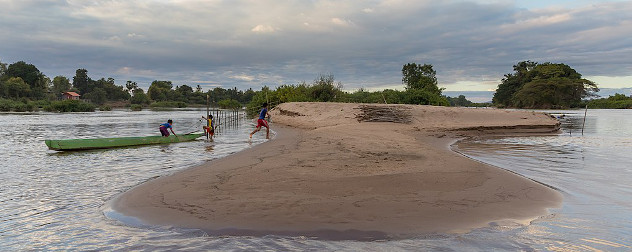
(24, 88)
(531, 85)
(420, 82)
(616, 101)
(24, 82)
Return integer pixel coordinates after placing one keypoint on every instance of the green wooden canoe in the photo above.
(104, 143)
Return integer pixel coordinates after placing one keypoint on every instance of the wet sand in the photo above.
(327, 174)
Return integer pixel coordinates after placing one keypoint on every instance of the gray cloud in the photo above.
(362, 43)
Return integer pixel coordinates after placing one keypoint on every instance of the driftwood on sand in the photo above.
(372, 113)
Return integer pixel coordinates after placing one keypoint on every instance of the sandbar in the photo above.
(353, 171)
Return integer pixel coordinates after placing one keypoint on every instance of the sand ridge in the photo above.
(329, 172)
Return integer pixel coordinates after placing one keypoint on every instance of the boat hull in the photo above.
(105, 143)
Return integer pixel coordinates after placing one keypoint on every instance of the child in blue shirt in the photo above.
(262, 121)
(165, 126)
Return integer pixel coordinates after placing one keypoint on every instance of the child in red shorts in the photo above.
(210, 127)
(262, 121)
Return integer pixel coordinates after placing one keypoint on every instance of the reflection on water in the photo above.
(52, 199)
(55, 200)
(593, 172)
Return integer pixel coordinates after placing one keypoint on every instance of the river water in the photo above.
(58, 200)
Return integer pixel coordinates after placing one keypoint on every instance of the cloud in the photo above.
(243, 77)
(134, 35)
(341, 22)
(248, 43)
(263, 29)
(135, 72)
(540, 21)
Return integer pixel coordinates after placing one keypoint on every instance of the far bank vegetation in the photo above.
(532, 85)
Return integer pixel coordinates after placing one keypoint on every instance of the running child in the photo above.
(262, 121)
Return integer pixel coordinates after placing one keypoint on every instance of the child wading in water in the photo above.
(210, 127)
(165, 126)
(262, 121)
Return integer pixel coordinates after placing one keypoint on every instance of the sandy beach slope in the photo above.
(338, 170)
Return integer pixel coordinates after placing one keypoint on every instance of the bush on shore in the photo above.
(229, 104)
(168, 104)
(70, 106)
(136, 107)
(7, 105)
(617, 101)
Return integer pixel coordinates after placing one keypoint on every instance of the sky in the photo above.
(471, 44)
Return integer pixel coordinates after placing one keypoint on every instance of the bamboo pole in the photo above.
(208, 114)
(584, 124)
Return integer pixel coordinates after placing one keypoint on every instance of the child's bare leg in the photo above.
(267, 133)
(254, 131)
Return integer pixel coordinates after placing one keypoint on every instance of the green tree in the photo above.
(513, 82)
(546, 85)
(247, 96)
(292, 93)
(460, 101)
(217, 94)
(61, 84)
(40, 89)
(27, 72)
(131, 86)
(97, 96)
(264, 96)
(392, 96)
(197, 97)
(185, 92)
(113, 92)
(160, 90)
(15, 87)
(139, 97)
(550, 93)
(424, 97)
(81, 81)
(363, 96)
(420, 77)
(619, 97)
(36, 80)
(421, 85)
(229, 104)
(324, 89)
(3, 69)
(617, 101)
